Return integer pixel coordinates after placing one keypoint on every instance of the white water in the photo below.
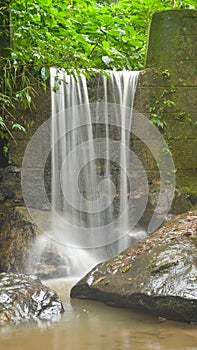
(91, 214)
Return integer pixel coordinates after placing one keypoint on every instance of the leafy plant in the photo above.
(75, 35)
(159, 105)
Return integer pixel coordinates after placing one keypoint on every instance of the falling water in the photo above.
(92, 208)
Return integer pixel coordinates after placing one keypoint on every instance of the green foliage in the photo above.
(17, 89)
(164, 103)
(79, 34)
(159, 105)
(74, 35)
(84, 34)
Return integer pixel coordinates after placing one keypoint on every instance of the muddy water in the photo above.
(88, 325)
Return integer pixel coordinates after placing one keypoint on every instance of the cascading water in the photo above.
(92, 206)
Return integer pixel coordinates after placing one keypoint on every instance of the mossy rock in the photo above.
(157, 274)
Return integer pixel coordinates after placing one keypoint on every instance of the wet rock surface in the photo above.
(157, 274)
(181, 203)
(17, 237)
(47, 261)
(10, 187)
(24, 297)
(25, 249)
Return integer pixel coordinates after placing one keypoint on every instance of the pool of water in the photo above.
(89, 325)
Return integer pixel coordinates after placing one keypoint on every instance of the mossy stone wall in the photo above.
(171, 64)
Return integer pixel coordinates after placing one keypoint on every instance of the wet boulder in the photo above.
(25, 249)
(157, 274)
(17, 236)
(24, 297)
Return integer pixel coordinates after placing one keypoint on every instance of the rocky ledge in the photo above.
(24, 297)
(157, 274)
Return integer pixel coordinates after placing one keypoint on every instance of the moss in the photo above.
(175, 306)
(126, 268)
(191, 192)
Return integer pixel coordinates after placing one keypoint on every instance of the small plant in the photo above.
(17, 87)
(166, 73)
(159, 104)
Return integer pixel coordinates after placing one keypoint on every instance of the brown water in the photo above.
(88, 325)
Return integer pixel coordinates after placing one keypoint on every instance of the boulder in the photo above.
(10, 186)
(24, 297)
(157, 274)
(24, 248)
(17, 237)
(181, 203)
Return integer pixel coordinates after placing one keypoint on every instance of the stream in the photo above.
(91, 325)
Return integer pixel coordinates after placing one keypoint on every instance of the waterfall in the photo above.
(93, 212)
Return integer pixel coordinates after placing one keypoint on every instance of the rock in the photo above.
(24, 248)
(47, 261)
(24, 297)
(157, 274)
(10, 186)
(180, 204)
(17, 236)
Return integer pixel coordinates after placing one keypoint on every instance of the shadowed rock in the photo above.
(157, 274)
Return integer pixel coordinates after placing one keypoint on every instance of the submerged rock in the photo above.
(157, 274)
(24, 297)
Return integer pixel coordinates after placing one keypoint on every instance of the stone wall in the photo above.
(172, 58)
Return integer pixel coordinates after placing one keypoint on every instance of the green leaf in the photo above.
(2, 124)
(18, 127)
(106, 59)
(45, 73)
